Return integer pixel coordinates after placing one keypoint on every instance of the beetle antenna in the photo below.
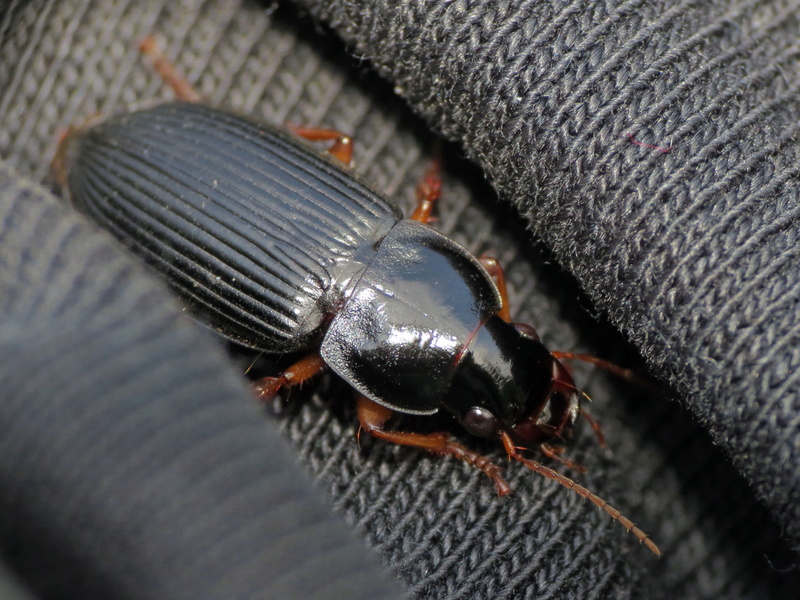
(621, 372)
(581, 491)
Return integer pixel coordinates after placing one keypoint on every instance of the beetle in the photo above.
(280, 248)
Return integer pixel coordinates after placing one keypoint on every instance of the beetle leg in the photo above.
(598, 431)
(373, 416)
(554, 452)
(304, 369)
(59, 173)
(182, 88)
(492, 266)
(580, 490)
(428, 191)
(342, 147)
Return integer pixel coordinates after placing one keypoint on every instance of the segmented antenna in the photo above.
(511, 449)
(621, 372)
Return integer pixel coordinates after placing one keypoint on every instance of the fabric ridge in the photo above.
(632, 165)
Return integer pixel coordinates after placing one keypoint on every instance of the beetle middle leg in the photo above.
(341, 148)
(373, 416)
(303, 370)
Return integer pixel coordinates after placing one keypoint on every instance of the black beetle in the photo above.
(280, 248)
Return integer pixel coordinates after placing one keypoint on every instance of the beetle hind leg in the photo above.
(164, 67)
(373, 416)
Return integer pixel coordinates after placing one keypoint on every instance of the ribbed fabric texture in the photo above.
(683, 250)
(134, 464)
(654, 148)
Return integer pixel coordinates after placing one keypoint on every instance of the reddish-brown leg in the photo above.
(580, 490)
(428, 193)
(492, 266)
(58, 173)
(429, 190)
(182, 88)
(303, 370)
(341, 148)
(598, 431)
(373, 416)
(554, 452)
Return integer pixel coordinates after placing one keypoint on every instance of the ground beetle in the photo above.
(282, 249)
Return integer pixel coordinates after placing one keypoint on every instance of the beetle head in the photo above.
(508, 381)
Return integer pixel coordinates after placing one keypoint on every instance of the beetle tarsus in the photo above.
(267, 388)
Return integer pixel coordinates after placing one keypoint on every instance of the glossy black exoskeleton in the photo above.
(280, 248)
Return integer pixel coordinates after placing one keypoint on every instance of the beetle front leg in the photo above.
(554, 453)
(498, 275)
(303, 370)
(495, 271)
(373, 416)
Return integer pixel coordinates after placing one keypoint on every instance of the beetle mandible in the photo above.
(282, 249)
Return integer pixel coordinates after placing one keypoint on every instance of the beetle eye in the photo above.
(479, 421)
(527, 331)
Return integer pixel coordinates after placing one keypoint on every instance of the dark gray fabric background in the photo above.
(134, 464)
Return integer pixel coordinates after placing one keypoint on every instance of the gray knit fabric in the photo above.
(650, 147)
(134, 465)
(690, 246)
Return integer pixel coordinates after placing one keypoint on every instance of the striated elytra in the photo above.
(281, 249)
